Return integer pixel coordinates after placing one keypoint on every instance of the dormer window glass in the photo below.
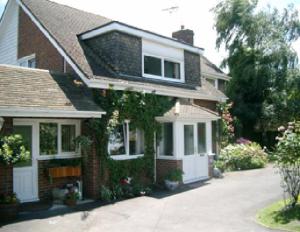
(172, 70)
(162, 68)
(152, 66)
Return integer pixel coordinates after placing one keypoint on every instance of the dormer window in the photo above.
(162, 68)
(28, 61)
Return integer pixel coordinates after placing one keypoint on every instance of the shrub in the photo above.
(106, 194)
(241, 157)
(12, 150)
(174, 175)
(287, 157)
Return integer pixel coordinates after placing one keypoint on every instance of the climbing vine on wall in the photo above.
(141, 109)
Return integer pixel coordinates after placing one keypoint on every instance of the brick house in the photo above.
(51, 57)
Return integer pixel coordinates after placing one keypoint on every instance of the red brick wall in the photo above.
(212, 105)
(91, 169)
(6, 173)
(32, 41)
(163, 167)
(6, 179)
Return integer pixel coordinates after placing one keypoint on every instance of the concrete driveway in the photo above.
(226, 205)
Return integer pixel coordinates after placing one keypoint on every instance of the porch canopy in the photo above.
(38, 93)
(185, 110)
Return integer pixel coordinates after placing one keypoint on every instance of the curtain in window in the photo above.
(67, 138)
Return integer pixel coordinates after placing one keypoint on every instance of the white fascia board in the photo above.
(36, 113)
(187, 119)
(217, 76)
(101, 84)
(116, 26)
(53, 42)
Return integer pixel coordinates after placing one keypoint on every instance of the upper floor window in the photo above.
(28, 61)
(162, 68)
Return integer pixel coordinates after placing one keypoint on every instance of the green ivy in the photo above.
(141, 109)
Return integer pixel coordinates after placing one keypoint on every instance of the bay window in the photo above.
(126, 142)
(163, 68)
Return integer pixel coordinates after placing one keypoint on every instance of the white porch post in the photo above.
(177, 140)
(209, 137)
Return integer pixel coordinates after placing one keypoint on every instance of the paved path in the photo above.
(225, 205)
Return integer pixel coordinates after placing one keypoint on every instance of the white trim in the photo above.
(116, 26)
(125, 157)
(26, 59)
(162, 61)
(41, 113)
(176, 92)
(186, 119)
(53, 42)
(218, 76)
(51, 157)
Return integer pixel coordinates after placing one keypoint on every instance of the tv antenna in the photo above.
(172, 9)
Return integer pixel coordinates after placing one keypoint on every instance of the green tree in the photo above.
(261, 61)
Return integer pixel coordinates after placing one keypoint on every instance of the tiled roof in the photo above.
(207, 67)
(42, 90)
(64, 23)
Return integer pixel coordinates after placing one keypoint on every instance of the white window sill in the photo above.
(167, 158)
(63, 156)
(126, 157)
(150, 76)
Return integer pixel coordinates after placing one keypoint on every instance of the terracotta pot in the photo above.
(8, 212)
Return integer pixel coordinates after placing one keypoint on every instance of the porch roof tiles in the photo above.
(44, 93)
(184, 109)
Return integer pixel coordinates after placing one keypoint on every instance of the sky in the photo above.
(152, 16)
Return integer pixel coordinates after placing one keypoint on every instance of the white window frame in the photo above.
(60, 154)
(127, 155)
(162, 77)
(167, 157)
(27, 59)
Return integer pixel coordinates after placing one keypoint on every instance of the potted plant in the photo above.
(71, 198)
(173, 179)
(12, 151)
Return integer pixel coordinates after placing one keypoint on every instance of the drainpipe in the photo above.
(155, 155)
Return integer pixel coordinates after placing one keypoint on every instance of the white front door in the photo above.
(195, 163)
(25, 180)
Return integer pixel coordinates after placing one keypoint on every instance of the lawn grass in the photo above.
(276, 216)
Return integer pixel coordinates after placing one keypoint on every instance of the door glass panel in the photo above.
(166, 143)
(189, 140)
(201, 138)
(26, 133)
